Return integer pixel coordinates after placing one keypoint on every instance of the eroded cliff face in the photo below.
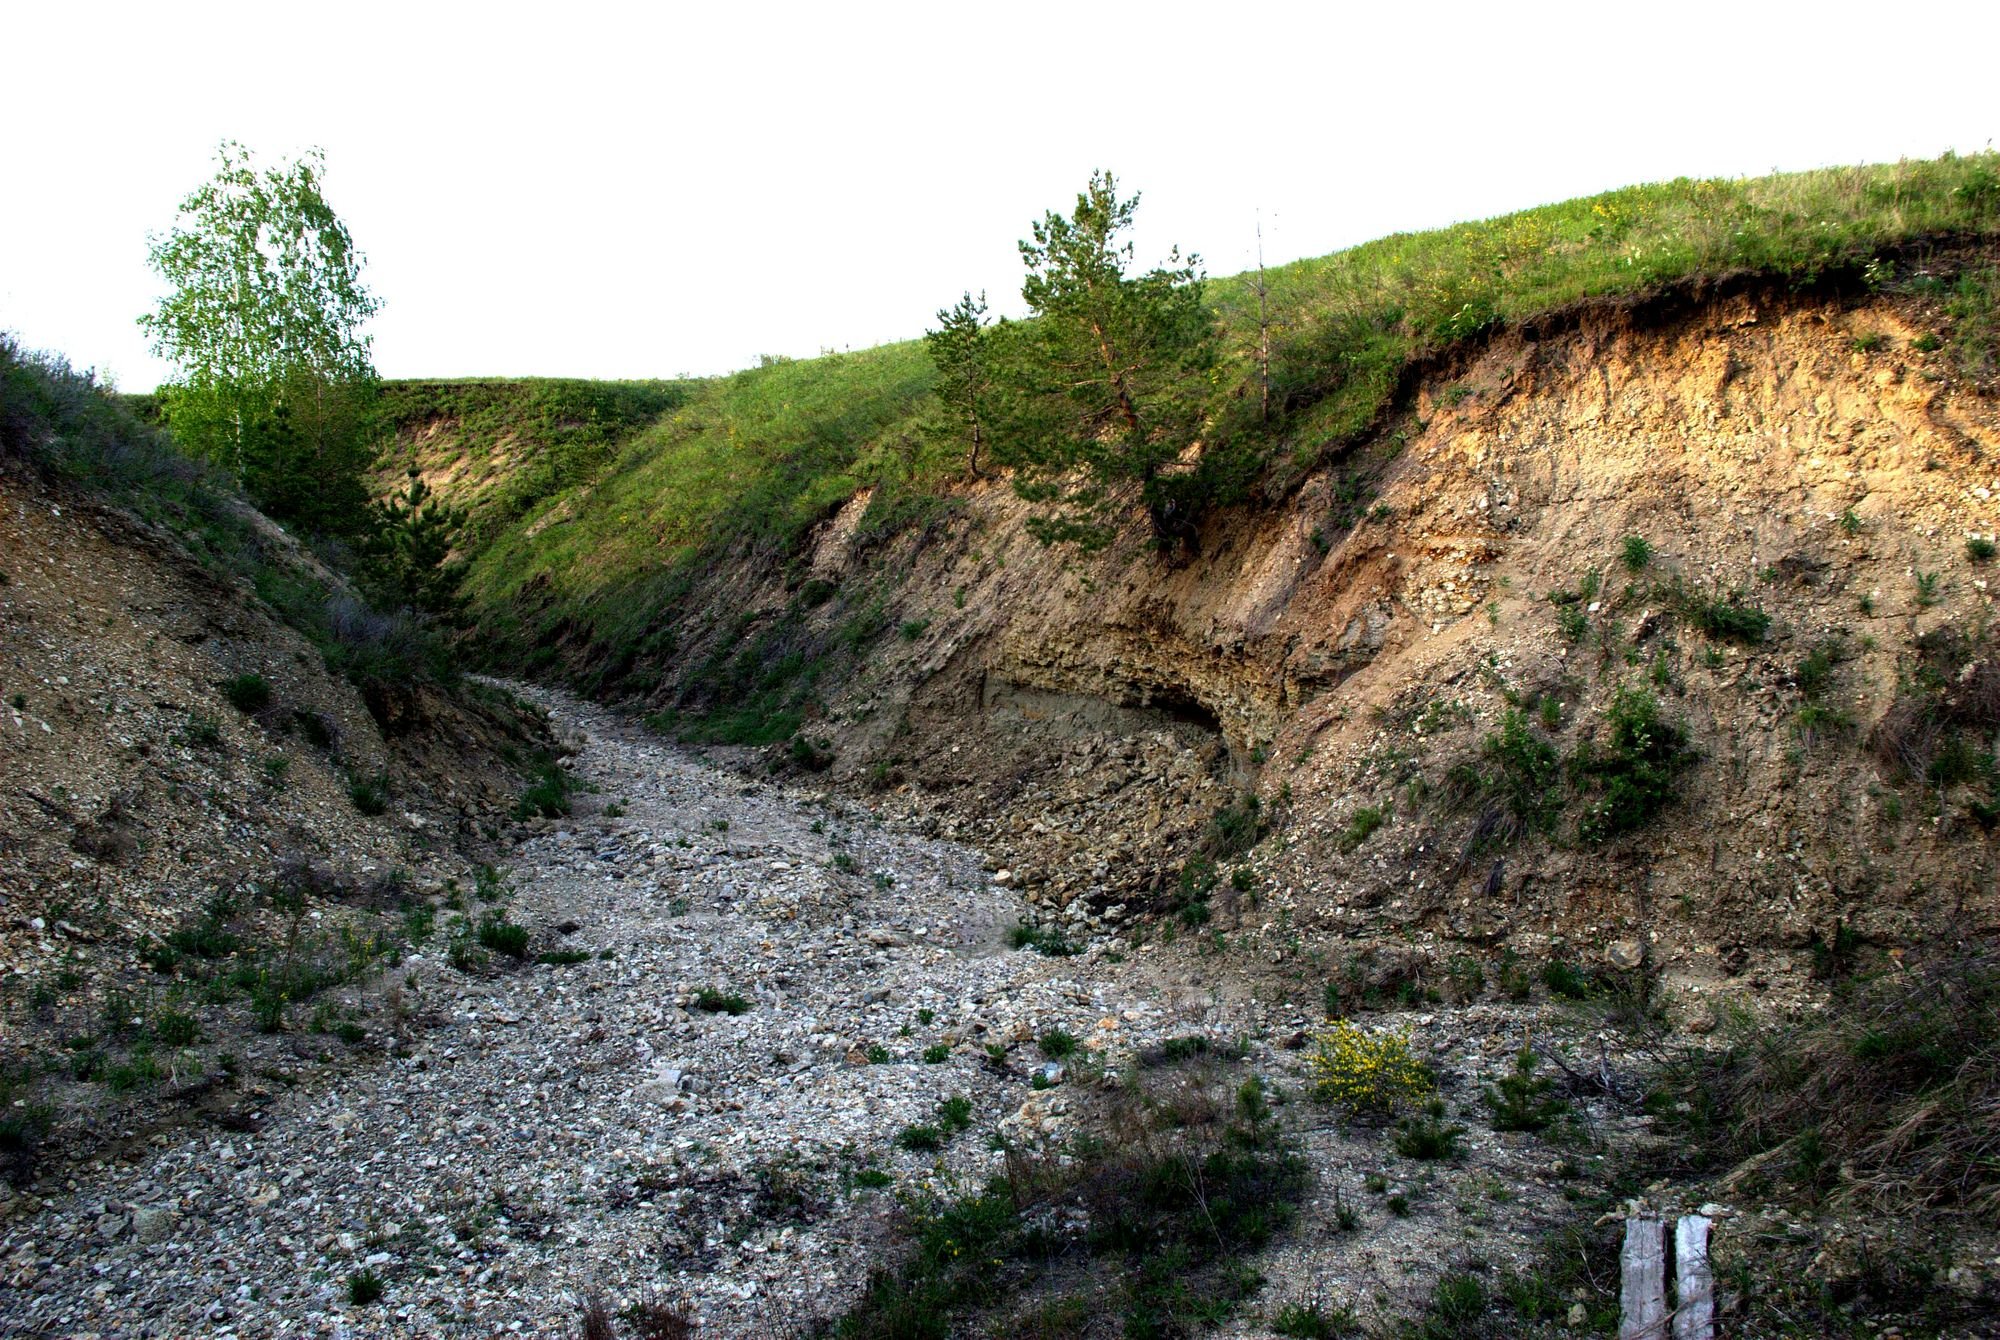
(1357, 646)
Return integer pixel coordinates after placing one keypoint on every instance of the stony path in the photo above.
(555, 1130)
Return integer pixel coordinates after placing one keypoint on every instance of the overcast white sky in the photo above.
(631, 191)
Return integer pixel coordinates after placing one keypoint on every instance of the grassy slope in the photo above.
(513, 441)
(753, 459)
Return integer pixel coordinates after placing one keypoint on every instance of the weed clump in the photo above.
(1043, 940)
(503, 936)
(548, 796)
(1427, 1135)
(1183, 1185)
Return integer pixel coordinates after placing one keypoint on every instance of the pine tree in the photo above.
(965, 376)
(411, 565)
(1107, 391)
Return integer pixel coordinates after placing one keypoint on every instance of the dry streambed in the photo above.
(762, 991)
(560, 1128)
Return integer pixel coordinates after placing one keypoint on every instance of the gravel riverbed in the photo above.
(548, 1131)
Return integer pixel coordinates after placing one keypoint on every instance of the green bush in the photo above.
(1366, 820)
(247, 692)
(1634, 772)
(1563, 980)
(1521, 1101)
(548, 796)
(1043, 940)
(1058, 1045)
(503, 936)
(920, 1137)
(1429, 1136)
(176, 1028)
(370, 794)
(1731, 620)
(1314, 1320)
(712, 1001)
(1235, 828)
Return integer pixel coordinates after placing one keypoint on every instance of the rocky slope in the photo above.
(200, 826)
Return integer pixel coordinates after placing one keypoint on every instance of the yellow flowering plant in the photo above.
(1374, 1073)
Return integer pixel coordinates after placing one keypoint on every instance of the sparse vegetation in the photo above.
(1363, 825)
(1042, 939)
(1427, 1135)
(1634, 771)
(364, 1287)
(1178, 1190)
(1521, 1100)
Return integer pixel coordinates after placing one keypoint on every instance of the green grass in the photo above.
(750, 461)
(711, 1001)
(521, 439)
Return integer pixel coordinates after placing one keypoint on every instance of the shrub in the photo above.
(364, 1287)
(1636, 553)
(1366, 820)
(1886, 1101)
(547, 796)
(1529, 781)
(1521, 1100)
(1980, 548)
(1042, 940)
(1635, 773)
(1565, 981)
(1235, 828)
(176, 1028)
(503, 936)
(1314, 1320)
(247, 692)
(370, 795)
(557, 958)
(955, 1113)
(937, 1054)
(812, 755)
(1429, 1135)
(1058, 1045)
(1729, 619)
(920, 1137)
(716, 1002)
(1367, 1074)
